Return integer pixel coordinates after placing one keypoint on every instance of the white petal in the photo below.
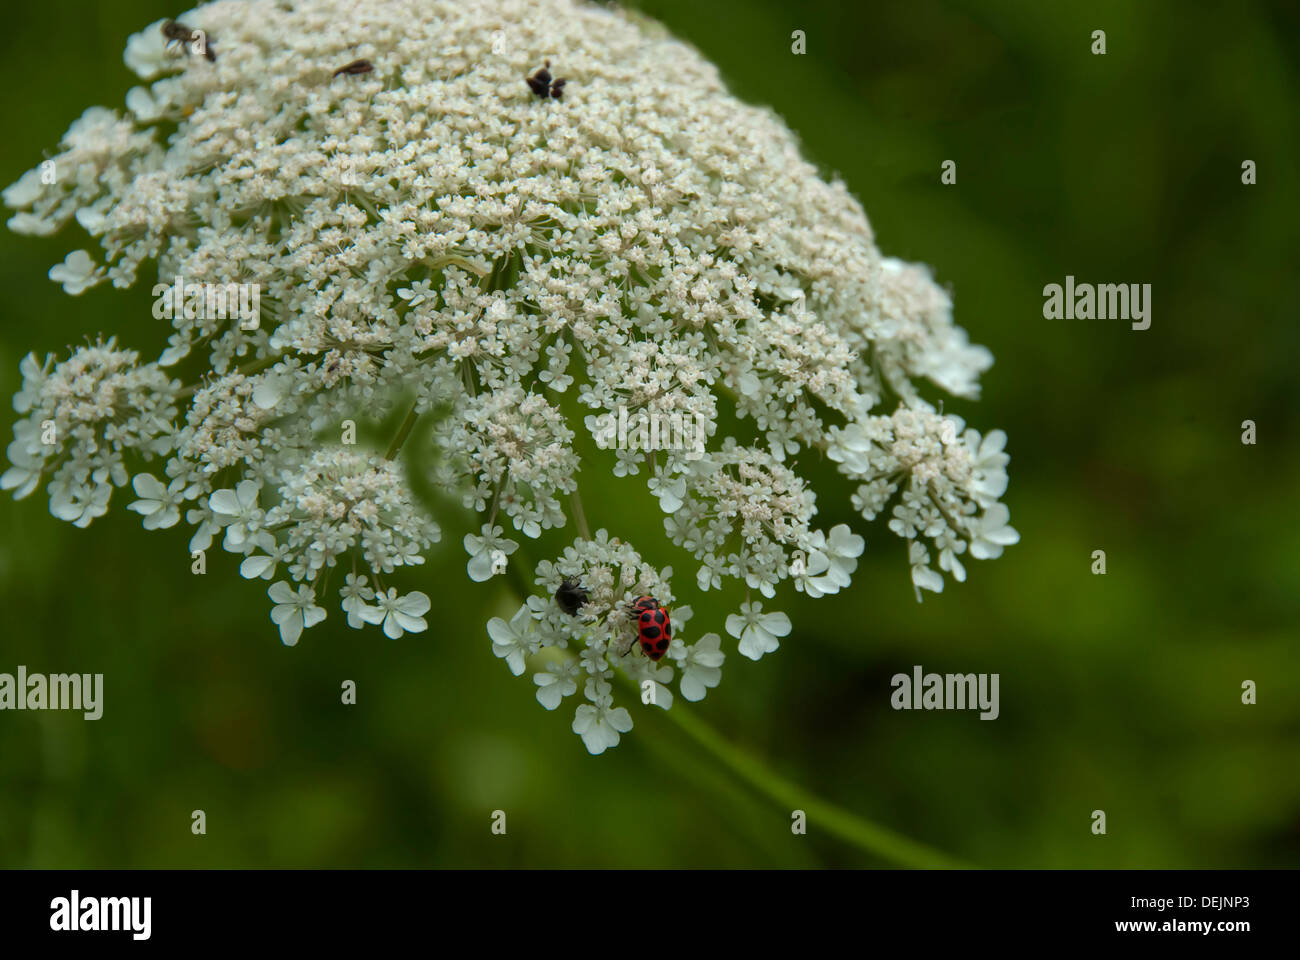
(777, 624)
(415, 605)
(224, 502)
(290, 621)
(500, 631)
(253, 567)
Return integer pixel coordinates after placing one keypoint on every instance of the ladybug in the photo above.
(570, 596)
(654, 629)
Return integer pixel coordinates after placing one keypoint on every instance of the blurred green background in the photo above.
(1119, 693)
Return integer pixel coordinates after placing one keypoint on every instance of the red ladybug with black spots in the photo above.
(654, 628)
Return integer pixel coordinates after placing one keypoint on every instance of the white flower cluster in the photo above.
(82, 415)
(513, 446)
(429, 237)
(951, 482)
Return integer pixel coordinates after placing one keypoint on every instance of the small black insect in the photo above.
(542, 84)
(177, 32)
(355, 67)
(570, 596)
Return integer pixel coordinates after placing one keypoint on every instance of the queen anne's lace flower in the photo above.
(83, 415)
(540, 276)
(158, 504)
(294, 610)
(77, 273)
(513, 641)
(702, 669)
(758, 632)
(559, 681)
(399, 614)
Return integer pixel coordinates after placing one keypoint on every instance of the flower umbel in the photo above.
(431, 238)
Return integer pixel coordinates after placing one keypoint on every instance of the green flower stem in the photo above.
(579, 517)
(879, 842)
(403, 432)
(255, 366)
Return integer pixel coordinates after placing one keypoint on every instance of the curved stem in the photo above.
(878, 841)
(579, 517)
(255, 366)
(403, 432)
(496, 502)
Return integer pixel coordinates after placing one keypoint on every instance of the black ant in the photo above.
(542, 84)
